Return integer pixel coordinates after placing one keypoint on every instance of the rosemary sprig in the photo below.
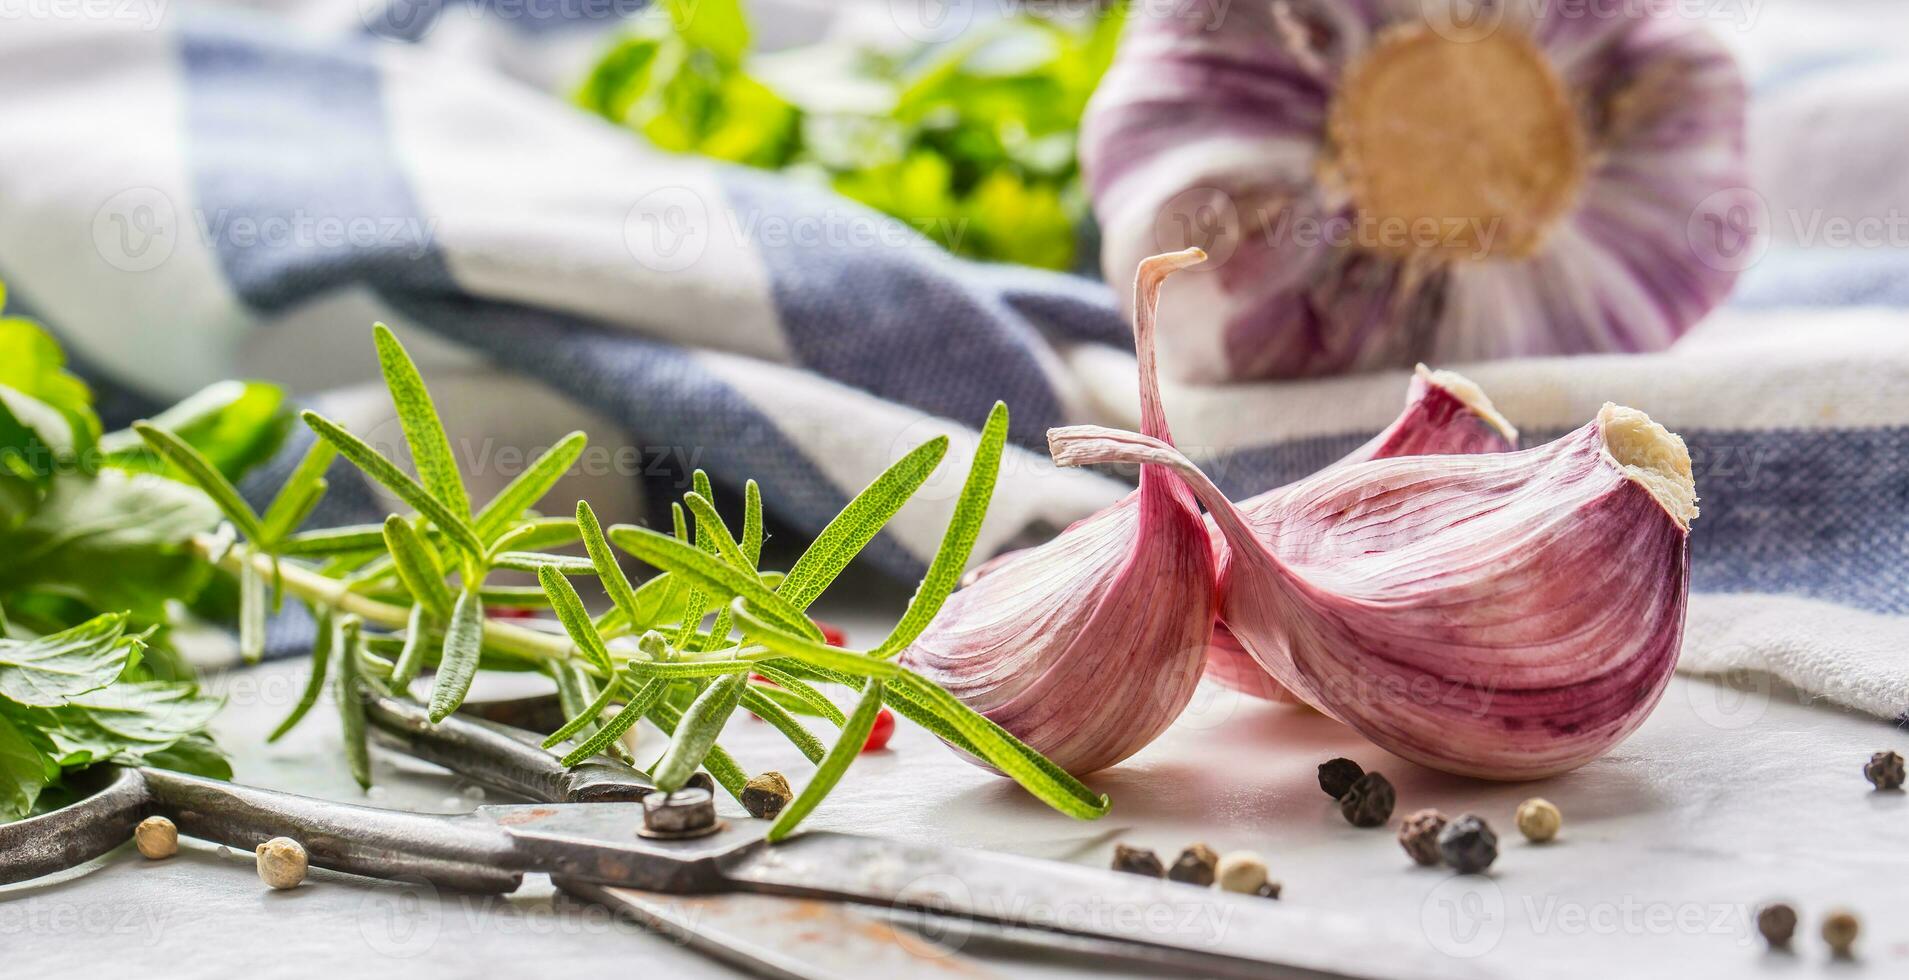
(387, 596)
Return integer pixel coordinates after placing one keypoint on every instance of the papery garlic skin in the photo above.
(1441, 180)
(1507, 616)
(1445, 413)
(1089, 646)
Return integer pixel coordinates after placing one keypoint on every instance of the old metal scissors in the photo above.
(583, 831)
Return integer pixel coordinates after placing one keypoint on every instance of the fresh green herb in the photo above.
(120, 543)
(95, 554)
(970, 142)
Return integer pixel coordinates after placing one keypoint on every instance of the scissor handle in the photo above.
(76, 833)
(448, 851)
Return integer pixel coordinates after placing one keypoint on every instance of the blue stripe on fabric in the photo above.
(661, 393)
(1796, 277)
(297, 181)
(899, 321)
(265, 117)
(414, 20)
(1821, 513)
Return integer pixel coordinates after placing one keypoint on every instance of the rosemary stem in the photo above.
(313, 587)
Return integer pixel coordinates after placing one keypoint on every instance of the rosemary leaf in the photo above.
(354, 539)
(575, 619)
(582, 718)
(529, 487)
(531, 561)
(324, 637)
(798, 689)
(752, 523)
(633, 711)
(252, 603)
(957, 544)
(762, 706)
(859, 522)
(463, 642)
(848, 745)
(200, 471)
(720, 765)
(698, 730)
(514, 597)
(692, 563)
(300, 493)
(376, 466)
(417, 565)
(1047, 781)
(615, 583)
(351, 700)
(423, 429)
(411, 655)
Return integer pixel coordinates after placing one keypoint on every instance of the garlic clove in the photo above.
(1089, 646)
(1445, 413)
(1507, 616)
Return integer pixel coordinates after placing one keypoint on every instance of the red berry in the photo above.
(879, 735)
(831, 635)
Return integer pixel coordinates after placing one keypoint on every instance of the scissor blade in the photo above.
(785, 938)
(1198, 930)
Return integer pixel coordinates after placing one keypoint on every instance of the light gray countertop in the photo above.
(1729, 796)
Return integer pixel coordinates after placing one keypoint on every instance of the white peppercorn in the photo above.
(1242, 871)
(282, 862)
(1539, 820)
(156, 838)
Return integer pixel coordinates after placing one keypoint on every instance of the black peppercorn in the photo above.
(1777, 923)
(1419, 836)
(1368, 802)
(1138, 860)
(1338, 775)
(766, 795)
(1268, 890)
(1884, 770)
(1195, 866)
(1468, 844)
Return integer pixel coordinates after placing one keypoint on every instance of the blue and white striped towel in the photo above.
(189, 191)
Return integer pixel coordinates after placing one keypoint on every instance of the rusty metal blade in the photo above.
(786, 938)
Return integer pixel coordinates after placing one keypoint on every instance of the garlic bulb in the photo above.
(1508, 616)
(1089, 646)
(1388, 181)
(1445, 413)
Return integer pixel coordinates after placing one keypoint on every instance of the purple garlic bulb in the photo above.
(1382, 182)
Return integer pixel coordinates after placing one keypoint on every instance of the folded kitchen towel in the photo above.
(176, 187)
